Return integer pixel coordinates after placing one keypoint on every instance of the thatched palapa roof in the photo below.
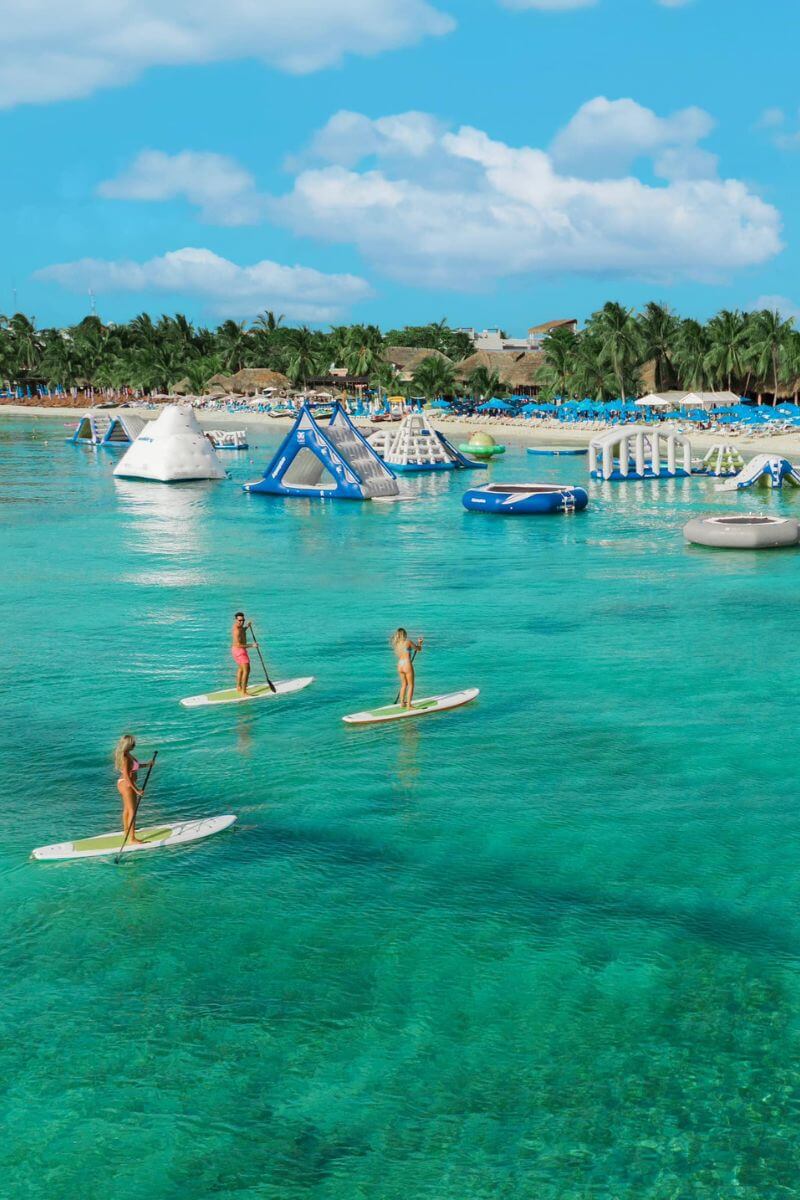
(256, 379)
(181, 388)
(514, 370)
(406, 359)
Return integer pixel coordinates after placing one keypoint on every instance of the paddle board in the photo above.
(420, 708)
(153, 838)
(255, 691)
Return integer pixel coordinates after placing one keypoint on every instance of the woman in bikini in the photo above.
(127, 766)
(402, 646)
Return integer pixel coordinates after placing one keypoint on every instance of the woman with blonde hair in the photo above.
(402, 646)
(127, 787)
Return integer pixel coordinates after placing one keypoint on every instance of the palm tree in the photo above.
(302, 354)
(558, 362)
(769, 341)
(383, 378)
(231, 344)
(362, 349)
(267, 321)
(691, 355)
(433, 377)
(728, 343)
(484, 383)
(590, 376)
(620, 342)
(659, 327)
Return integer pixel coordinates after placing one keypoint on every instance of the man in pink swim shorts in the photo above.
(239, 652)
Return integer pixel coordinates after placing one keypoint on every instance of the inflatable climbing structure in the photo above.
(416, 446)
(171, 449)
(332, 460)
(95, 429)
(765, 470)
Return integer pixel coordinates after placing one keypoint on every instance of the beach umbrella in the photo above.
(440, 404)
(495, 405)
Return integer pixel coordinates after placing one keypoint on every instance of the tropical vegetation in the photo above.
(619, 352)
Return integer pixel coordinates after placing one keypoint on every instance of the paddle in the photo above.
(411, 658)
(260, 655)
(138, 802)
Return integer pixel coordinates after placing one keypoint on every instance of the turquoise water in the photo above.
(544, 946)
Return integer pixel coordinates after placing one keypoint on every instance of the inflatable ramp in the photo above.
(765, 470)
(332, 461)
(100, 430)
(416, 446)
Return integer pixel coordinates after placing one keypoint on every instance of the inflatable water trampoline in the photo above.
(570, 451)
(525, 499)
(745, 532)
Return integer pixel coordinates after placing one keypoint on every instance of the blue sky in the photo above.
(494, 161)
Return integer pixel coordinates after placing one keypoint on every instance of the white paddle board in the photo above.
(255, 691)
(174, 834)
(420, 708)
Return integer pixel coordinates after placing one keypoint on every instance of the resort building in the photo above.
(406, 359)
(495, 339)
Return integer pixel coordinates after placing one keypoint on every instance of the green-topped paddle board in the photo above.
(420, 708)
(153, 838)
(256, 691)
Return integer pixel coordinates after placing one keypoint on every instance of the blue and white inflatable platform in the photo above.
(525, 499)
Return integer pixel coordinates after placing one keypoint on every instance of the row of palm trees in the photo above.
(610, 357)
(152, 355)
(750, 353)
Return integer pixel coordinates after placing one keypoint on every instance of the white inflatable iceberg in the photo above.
(171, 449)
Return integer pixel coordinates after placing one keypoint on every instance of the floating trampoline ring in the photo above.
(746, 532)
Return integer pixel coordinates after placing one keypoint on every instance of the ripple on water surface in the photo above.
(545, 946)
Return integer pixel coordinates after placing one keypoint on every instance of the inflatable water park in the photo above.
(525, 499)
(747, 531)
(98, 429)
(764, 471)
(416, 446)
(639, 452)
(721, 460)
(333, 461)
(171, 449)
(482, 445)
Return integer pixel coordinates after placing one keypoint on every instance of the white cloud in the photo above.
(771, 118)
(468, 210)
(568, 5)
(53, 50)
(782, 304)
(224, 191)
(548, 5)
(605, 137)
(300, 292)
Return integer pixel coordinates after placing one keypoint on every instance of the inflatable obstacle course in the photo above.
(416, 446)
(639, 452)
(171, 449)
(331, 461)
(721, 460)
(765, 470)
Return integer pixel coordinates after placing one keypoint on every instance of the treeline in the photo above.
(618, 353)
(153, 355)
(622, 353)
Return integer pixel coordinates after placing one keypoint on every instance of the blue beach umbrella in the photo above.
(495, 405)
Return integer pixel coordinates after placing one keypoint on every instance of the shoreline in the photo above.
(502, 430)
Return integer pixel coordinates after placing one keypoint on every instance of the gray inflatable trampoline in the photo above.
(747, 532)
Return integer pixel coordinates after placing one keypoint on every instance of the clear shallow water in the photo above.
(547, 945)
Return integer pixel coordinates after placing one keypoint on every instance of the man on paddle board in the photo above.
(239, 652)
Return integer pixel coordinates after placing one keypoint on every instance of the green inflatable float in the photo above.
(481, 445)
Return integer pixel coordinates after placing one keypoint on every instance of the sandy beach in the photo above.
(511, 433)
